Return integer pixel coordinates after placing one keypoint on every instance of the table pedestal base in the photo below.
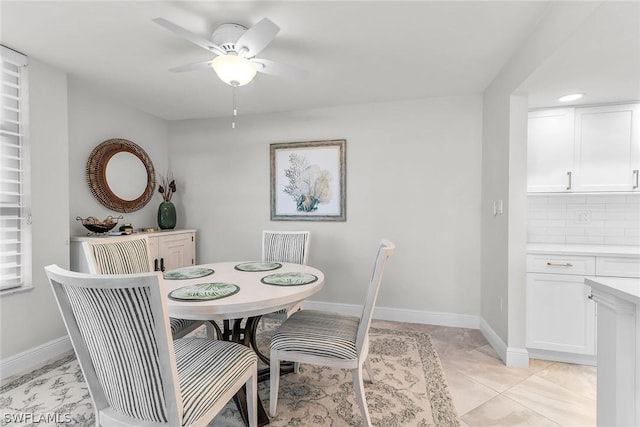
(245, 334)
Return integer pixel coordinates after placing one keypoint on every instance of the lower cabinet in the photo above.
(168, 249)
(172, 251)
(560, 314)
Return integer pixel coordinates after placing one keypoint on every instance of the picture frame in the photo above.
(308, 181)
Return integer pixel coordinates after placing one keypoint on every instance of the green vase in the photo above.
(166, 216)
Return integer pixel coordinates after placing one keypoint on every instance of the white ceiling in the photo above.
(355, 51)
(601, 59)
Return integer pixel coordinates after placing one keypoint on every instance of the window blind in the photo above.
(12, 166)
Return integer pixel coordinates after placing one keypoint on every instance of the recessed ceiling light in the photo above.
(571, 97)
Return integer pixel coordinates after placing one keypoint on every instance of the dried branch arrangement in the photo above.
(167, 186)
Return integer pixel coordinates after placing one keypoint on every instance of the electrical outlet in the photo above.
(582, 217)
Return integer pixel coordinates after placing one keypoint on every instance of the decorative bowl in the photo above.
(94, 225)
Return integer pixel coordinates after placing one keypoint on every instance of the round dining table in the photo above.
(253, 298)
(248, 290)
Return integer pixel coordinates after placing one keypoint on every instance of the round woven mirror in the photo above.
(120, 175)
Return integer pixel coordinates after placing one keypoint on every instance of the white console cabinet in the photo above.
(169, 249)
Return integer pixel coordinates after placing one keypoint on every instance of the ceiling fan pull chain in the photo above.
(235, 108)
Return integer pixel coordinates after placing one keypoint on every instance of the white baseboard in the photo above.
(33, 358)
(558, 356)
(511, 356)
(38, 356)
(401, 315)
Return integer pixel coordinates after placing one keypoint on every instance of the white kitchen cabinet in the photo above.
(618, 301)
(168, 249)
(560, 316)
(584, 149)
(550, 151)
(607, 143)
(560, 313)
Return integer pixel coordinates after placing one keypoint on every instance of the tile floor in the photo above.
(487, 393)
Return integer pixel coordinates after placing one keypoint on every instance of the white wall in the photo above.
(504, 174)
(93, 118)
(31, 318)
(68, 119)
(413, 176)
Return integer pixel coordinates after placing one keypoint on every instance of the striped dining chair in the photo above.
(330, 339)
(285, 246)
(135, 372)
(131, 255)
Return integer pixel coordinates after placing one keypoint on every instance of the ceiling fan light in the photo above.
(234, 70)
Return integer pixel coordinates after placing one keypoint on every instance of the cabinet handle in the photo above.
(566, 264)
(636, 172)
(161, 264)
(155, 265)
(590, 296)
(569, 179)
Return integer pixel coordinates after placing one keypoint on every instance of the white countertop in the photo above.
(594, 250)
(626, 288)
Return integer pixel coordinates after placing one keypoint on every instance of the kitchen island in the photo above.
(618, 349)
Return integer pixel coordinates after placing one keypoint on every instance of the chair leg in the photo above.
(211, 332)
(252, 399)
(296, 367)
(367, 366)
(274, 383)
(358, 386)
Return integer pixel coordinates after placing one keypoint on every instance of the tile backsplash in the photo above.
(605, 219)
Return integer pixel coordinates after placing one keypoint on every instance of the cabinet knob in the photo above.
(590, 296)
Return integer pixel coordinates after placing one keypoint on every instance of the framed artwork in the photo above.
(308, 181)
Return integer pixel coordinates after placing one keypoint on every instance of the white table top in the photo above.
(254, 297)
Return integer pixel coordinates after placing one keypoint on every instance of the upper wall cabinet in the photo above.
(589, 149)
(607, 148)
(550, 150)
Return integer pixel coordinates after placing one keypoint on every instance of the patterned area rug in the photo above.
(410, 390)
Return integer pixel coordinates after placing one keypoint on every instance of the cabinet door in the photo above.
(607, 147)
(176, 250)
(153, 252)
(550, 150)
(560, 316)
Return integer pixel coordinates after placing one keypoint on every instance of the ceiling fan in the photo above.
(235, 48)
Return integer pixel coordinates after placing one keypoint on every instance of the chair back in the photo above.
(118, 325)
(385, 250)
(285, 246)
(118, 255)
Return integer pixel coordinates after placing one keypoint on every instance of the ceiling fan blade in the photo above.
(278, 69)
(256, 38)
(192, 66)
(193, 38)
